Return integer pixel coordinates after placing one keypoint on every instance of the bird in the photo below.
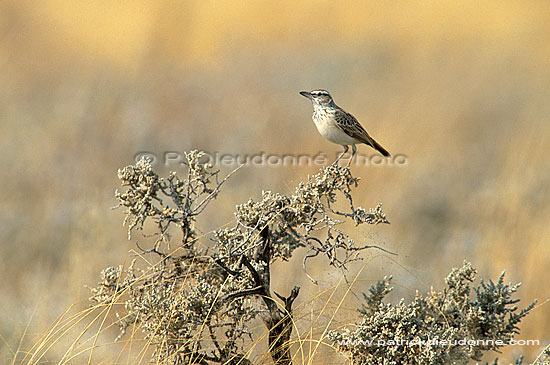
(339, 126)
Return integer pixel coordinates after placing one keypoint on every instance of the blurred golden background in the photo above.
(459, 87)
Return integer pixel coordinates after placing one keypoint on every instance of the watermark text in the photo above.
(264, 159)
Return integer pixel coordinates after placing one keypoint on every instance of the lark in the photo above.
(339, 126)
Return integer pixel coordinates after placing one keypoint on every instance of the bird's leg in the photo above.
(342, 154)
(353, 152)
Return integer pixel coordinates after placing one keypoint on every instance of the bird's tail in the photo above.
(379, 148)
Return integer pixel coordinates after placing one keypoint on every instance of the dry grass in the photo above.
(461, 88)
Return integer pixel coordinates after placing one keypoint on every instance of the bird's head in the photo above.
(318, 97)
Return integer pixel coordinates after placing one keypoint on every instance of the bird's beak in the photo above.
(306, 94)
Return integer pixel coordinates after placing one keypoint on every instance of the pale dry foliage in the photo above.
(450, 315)
(196, 303)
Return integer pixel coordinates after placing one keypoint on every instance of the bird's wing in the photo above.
(351, 126)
